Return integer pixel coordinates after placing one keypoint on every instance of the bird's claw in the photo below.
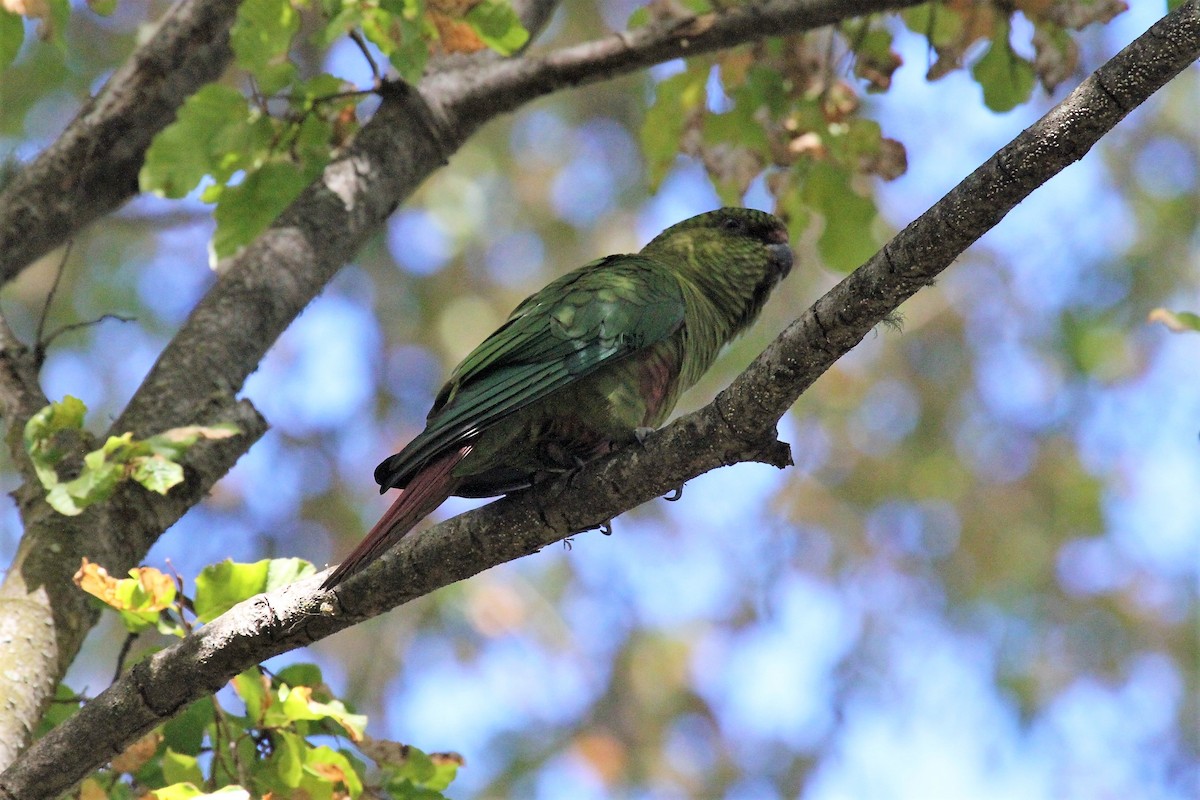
(605, 528)
(641, 434)
(675, 494)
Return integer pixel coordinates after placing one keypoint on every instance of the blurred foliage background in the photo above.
(980, 578)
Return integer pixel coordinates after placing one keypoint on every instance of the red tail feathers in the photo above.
(427, 490)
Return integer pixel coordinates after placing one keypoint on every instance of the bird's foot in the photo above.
(641, 434)
(605, 528)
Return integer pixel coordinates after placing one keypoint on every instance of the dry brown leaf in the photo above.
(454, 35)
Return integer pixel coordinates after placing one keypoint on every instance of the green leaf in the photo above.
(675, 98)
(495, 22)
(284, 571)
(300, 675)
(104, 8)
(61, 501)
(416, 766)
(288, 760)
(404, 789)
(355, 724)
(60, 15)
(261, 37)
(181, 768)
(12, 34)
(156, 473)
(399, 36)
(215, 134)
(294, 706)
(219, 587)
(935, 21)
(97, 480)
(185, 733)
(445, 770)
(245, 210)
(65, 703)
(847, 239)
(254, 691)
(66, 414)
(1006, 78)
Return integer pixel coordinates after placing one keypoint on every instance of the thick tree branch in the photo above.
(92, 168)
(469, 98)
(737, 426)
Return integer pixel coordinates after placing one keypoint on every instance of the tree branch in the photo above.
(737, 426)
(92, 168)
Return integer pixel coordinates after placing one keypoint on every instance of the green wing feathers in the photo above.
(587, 319)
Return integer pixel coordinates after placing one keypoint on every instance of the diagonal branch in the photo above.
(92, 168)
(738, 425)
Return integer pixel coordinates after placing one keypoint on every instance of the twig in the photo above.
(74, 326)
(39, 347)
(121, 656)
(357, 38)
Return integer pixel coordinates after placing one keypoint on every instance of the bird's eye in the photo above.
(732, 224)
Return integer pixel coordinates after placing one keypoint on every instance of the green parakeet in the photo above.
(583, 366)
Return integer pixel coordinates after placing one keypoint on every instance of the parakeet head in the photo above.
(735, 256)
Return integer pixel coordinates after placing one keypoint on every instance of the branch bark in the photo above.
(92, 168)
(737, 426)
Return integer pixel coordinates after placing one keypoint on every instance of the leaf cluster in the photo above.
(152, 462)
(254, 154)
(786, 110)
(279, 746)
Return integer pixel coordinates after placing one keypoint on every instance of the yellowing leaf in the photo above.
(91, 789)
(1176, 321)
(330, 765)
(140, 598)
(146, 588)
(329, 772)
(138, 753)
(95, 580)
